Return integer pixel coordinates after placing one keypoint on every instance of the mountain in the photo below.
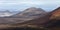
(7, 13)
(54, 19)
(50, 20)
(31, 16)
(55, 14)
(34, 17)
(31, 12)
(27, 15)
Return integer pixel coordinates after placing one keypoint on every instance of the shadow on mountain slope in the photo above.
(50, 21)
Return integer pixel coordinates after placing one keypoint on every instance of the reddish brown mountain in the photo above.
(55, 14)
(54, 20)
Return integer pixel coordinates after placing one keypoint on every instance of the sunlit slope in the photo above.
(55, 14)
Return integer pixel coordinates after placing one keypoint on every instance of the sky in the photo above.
(20, 5)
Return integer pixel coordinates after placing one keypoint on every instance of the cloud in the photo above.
(32, 2)
(20, 4)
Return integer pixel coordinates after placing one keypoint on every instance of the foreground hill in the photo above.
(55, 14)
(54, 20)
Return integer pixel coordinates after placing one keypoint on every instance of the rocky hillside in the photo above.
(54, 20)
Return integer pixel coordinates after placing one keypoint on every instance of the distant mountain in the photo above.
(7, 13)
(34, 17)
(55, 14)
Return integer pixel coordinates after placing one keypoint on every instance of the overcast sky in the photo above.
(47, 5)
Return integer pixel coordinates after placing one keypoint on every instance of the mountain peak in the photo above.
(34, 9)
(31, 12)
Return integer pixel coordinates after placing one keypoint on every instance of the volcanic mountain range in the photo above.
(33, 16)
(27, 15)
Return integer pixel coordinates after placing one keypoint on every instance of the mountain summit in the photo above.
(31, 12)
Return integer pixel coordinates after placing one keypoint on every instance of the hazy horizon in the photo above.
(20, 5)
